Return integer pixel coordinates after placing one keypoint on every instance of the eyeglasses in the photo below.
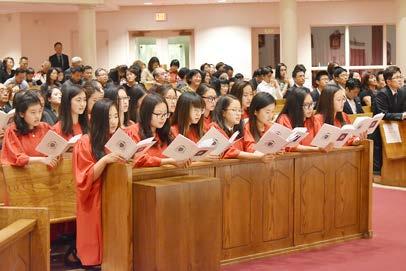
(309, 106)
(171, 99)
(161, 115)
(210, 98)
(198, 111)
(235, 111)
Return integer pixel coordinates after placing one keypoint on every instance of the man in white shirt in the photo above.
(269, 84)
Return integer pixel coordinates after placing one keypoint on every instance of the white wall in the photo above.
(10, 44)
(221, 32)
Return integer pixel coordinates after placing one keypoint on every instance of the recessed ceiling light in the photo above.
(221, 1)
(147, 3)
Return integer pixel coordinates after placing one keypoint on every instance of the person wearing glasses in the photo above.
(154, 122)
(119, 95)
(391, 101)
(227, 120)
(208, 93)
(330, 110)
(168, 92)
(189, 116)
(298, 111)
(244, 92)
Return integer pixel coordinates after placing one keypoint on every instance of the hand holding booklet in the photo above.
(293, 137)
(123, 145)
(182, 149)
(220, 142)
(332, 134)
(53, 144)
(280, 137)
(5, 118)
(367, 124)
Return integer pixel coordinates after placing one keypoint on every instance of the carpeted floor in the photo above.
(386, 251)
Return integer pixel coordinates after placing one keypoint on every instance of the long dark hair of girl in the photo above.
(222, 105)
(203, 89)
(146, 112)
(23, 100)
(181, 116)
(99, 127)
(238, 89)
(326, 105)
(260, 100)
(293, 107)
(112, 94)
(65, 111)
(135, 93)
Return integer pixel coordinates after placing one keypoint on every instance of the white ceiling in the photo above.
(7, 6)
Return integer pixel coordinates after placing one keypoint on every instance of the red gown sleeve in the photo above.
(83, 163)
(13, 152)
(284, 120)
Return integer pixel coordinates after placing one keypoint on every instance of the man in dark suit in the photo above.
(391, 102)
(58, 59)
(353, 104)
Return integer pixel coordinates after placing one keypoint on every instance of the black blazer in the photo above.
(358, 105)
(56, 63)
(315, 95)
(385, 103)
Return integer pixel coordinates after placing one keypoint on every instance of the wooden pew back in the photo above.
(37, 186)
(24, 239)
(354, 116)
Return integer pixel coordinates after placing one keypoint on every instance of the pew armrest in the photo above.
(15, 231)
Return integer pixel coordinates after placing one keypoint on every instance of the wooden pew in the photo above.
(393, 170)
(279, 105)
(295, 202)
(24, 239)
(3, 189)
(37, 186)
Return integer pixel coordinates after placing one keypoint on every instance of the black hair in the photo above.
(174, 62)
(204, 65)
(353, 83)
(135, 93)
(19, 70)
(112, 93)
(337, 71)
(278, 70)
(151, 62)
(22, 101)
(293, 107)
(190, 75)
(325, 105)
(100, 127)
(65, 110)
(182, 113)
(146, 112)
(57, 43)
(319, 74)
(389, 72)
(182, 72)
(298, 69)
(222, 105)
(260, 100)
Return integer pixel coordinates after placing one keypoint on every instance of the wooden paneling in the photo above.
(177, 224)
(352, 117)
(117, 218)
(394, 159)
(38, 240)
(294, 202)
(37, 186)
(3, 188)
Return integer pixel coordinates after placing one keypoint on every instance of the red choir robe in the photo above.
(88, 208)
(248, 135)
(153, 157)
(240, 144)
(191, 133)
(57, 128)
(206, 123)
(312, 124)
(17, 149)
(319, 118)
(245, 114)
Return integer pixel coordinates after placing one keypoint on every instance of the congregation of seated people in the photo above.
(70, 98)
